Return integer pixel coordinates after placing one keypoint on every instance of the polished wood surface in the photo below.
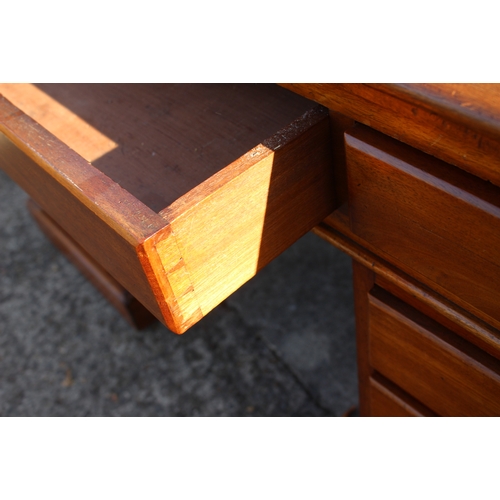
(336, 231)
(422, 119)
(388, 400)
(158, 141)
(438, 368)
(364, 280)
(191, 191)
(475, 105)
(127, 305)
(104, 219)
(420, 215)
(192, 188)
(425, 216)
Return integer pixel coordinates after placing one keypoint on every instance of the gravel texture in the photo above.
(282, 345)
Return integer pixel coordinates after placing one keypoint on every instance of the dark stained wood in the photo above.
(162, 140)
(192, 189)
(458, 134)
(438, 368)
(363, 280)
(262, 204)
(437, 223)
(127, 305)
(429, 233)
(336, 231)
(447, 314)
(474, 105)
(388, 400)
(238, 173)
(338, 125)
(104, 219)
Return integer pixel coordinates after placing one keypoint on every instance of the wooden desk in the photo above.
(410, 175)
(418, 209)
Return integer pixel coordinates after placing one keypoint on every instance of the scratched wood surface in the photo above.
(457, 123)
(181, 192)
(158, 141)
(438, 223)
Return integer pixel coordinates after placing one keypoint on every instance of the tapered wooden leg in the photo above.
(127, 305)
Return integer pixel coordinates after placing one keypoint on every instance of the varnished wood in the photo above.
(475, 105)
(438, 224)
(237, 175)
(338, 125)
(427, 232)
(416, 117)
(274, 197)
(336, 231)
(438, 368)
(159, 141)
(388, 400)
(250, 169)
(364, 280)
(105, 220)
(127, 305)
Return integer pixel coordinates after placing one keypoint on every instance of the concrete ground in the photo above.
(282, 345)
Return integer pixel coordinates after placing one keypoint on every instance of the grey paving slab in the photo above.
(283, 345)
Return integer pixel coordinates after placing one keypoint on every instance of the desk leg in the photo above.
(127, 305)
(364, 280)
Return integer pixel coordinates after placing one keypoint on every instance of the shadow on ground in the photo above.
(282, 345)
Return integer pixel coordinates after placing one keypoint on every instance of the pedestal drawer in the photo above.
(441, 370)
(181, 192)
(435, 222)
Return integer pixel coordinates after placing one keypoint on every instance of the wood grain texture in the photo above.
(474, 105)
(241, 174)
(168, 138)
(103, 218)
(231, 226)
(387, 400)
(438, 223)
(444, 372)
(363, 281)
(336, 231)
(338, 125)
(432, 121)
(127, 305)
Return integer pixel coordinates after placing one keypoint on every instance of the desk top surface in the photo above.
(477, 105)
(458, 123)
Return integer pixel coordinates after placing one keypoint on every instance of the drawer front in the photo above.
(439, 369)
(384, 402)
(434, 221)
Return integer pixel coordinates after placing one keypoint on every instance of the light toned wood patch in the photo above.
(67, 126)
(220, 239)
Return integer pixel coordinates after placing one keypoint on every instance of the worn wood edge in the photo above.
(139, 222)
(479, 332)
(125, 303)
(398, 396)
(348, 99)
(475, 199)
(419, 95)
(163, 282)
(427, 169)
(232, 273)
(166, 257)
(213, 184)
(133, 221)
(261, 151)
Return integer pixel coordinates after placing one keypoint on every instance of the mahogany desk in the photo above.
(171, 197)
